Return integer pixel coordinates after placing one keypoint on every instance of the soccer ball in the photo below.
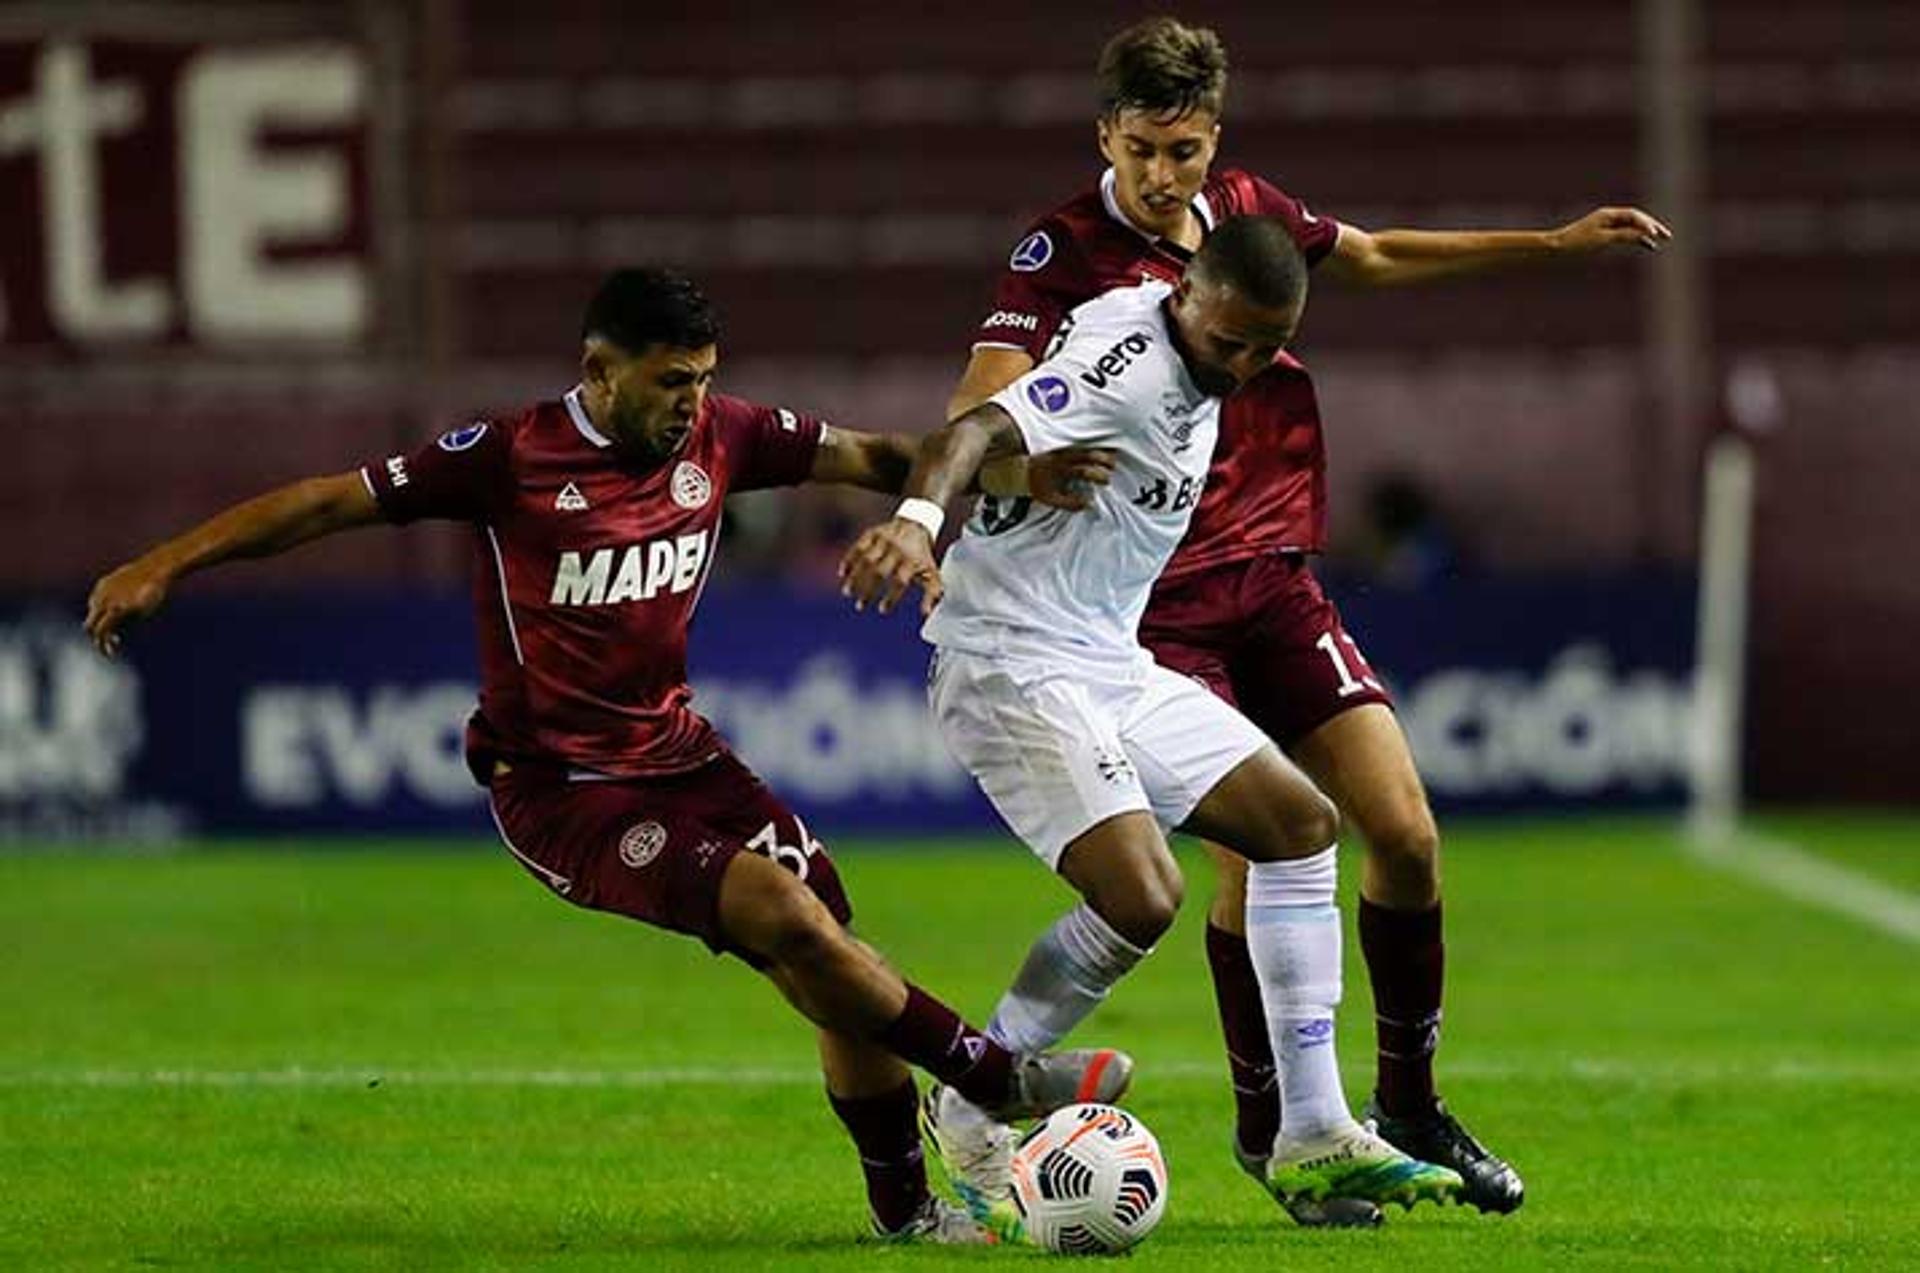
(1089, 1181)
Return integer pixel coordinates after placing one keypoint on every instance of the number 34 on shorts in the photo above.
(795, 857)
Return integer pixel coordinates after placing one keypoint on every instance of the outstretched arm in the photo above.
(890, 558)
(1065, 478)
(262, 526)
(871, 461)
(1388, 258)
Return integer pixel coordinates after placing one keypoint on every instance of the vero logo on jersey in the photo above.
(1117, 359)
(610, 576)
(1049, 393)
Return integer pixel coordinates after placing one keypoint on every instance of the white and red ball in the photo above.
(1089, 1180)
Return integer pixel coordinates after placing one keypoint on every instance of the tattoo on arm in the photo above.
(871, 461)
(950, 458)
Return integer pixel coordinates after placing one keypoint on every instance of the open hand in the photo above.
(887, 560)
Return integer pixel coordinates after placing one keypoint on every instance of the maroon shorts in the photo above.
(1262, 635)
(655, 849)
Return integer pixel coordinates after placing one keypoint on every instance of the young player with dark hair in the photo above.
(1238, 606)
(595, 518)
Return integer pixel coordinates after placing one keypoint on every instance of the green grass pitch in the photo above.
(278, 1056)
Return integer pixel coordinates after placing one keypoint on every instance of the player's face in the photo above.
(1159, 164)
(651, 399)
(1229, 340)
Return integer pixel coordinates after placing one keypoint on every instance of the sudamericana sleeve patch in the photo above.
(1049, 393)
(461, 439)
(1032, 253)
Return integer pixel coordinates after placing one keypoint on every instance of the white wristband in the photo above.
(923, 512)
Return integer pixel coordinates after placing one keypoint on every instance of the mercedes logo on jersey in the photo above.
(1033, 252)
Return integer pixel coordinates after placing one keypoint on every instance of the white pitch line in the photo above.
(1606, 1070)
(1813, 881)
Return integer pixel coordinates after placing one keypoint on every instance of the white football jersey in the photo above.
(1032, 581)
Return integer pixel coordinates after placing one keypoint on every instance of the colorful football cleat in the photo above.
(976, 1154)
(1047, 1081)
(1309, 1213)
(940, 1223)
(1353, 1162)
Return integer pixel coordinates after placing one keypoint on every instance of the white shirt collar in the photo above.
(577, 410)
(1110, 199)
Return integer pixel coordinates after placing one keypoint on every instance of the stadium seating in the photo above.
(847, 178)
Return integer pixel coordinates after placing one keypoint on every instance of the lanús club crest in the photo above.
(690, 485)
(642, 844)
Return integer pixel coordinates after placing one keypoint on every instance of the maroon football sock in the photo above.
(1406, 961)
(1243, 1022)
(932, 1036)
(886, 1131)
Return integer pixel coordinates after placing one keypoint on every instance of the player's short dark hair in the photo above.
(1164, 67)
(634, 308)
(1257, 257)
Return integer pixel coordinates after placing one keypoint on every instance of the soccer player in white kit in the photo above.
(1087, 747)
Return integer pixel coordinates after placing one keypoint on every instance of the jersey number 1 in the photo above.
(1349, 684)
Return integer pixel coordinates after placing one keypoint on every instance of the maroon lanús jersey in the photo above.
(587, 571)
(1266, 490)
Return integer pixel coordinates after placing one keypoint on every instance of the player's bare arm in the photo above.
(1389, 258)
(990, 369)
(890, 558)
(1065, 478)
(260, 527)
(871, 461)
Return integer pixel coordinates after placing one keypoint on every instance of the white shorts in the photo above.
(1058, 753)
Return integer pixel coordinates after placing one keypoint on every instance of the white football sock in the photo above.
(1066, 976)
(1293, 934)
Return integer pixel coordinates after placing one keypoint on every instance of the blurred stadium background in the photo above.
(246, 242)
(241, 243)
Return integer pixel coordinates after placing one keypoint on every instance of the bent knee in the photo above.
(1410, 842)
(1309, 825)
(1145, 910)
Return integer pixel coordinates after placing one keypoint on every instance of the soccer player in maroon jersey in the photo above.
(595, 518)
(1238, 606)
